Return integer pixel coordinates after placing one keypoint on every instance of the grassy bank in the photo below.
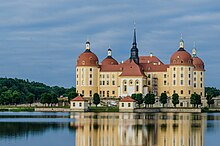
(16, 109)
(103, 109)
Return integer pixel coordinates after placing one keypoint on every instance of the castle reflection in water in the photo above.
(130, 129)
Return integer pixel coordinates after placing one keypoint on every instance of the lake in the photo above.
(109, 129)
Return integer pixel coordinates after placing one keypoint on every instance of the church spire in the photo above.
(134, 49)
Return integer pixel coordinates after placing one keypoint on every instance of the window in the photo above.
(201, 85)
(200, 93)
(82, 92)
(194, 79)
(189, 69)
(181, 92)
(103, 93)
(194, 73)
(90, 69)
(100, 83)
(148, 82)
(181, 75)
(107, 75)
(113, 76)
(107, 82)
(80, 104)
(181, 104)
(189, 75)
(181, 67)
(137, 88)
(201, 79)
(182, 61)
(113, 92)
(90, 75)
(90, 82)
(125, 88)
(181, 82)
(122, 104)
(174, 82)
(100, 92)
(174, 69)
(107, 93)
(164, 82)
(73, 104)
(174, 91)
(194, 85)
(174, 75)
(103, 82)
(77, 83)
(165, 76)
(189, 82)
(130, 82)
(103, 76)
(90, 93)
(189, 92)
(113, 82)
(129, 104)
(77, 76)
(201, 73)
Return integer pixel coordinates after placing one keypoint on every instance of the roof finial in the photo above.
(134, 40)
(87, 44)
(194, 50)
(181, 42)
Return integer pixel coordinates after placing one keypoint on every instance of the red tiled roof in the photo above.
(111, 68)
(127, 99)
(181, 57)
(198, 63)
(78, 98)
(87, 58)
(149, 59)
(109, 61)
(154, 67)
(132, 69)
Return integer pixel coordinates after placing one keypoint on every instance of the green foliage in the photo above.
(195, 99)
(30, 98)
(209, 99)
(18, 91)
(72, 95)
(96, 99)
(163, 98)
(139, 98)
(211, 91)
(149, 99)
(175, 99)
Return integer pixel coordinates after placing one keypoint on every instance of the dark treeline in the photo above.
(19, 91)
(212, 91)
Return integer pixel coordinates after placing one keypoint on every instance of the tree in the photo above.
(195, 99)
(209, 100)
(139, 98)
(149, 99)
(96, 99)
(16, 97)
(163, 98)
(175, 99)
(46, 98)
(72, 95)
(30, 98)
(54, 99)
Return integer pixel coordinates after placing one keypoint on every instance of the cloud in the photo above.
(41, 40)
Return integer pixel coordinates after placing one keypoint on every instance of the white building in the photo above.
(79, 104)
(127, 104)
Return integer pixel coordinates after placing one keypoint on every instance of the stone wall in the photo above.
(52, 110)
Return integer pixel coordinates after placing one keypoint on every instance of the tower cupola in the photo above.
(87, 45)
(109, 52)
(181, 43)
(194, 50)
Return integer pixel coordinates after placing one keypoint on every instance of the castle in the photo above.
(140, 74)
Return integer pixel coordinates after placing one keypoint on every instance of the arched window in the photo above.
(125, 86)
(130, 82)
(137, 86)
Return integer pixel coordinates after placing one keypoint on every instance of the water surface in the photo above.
(108, 129)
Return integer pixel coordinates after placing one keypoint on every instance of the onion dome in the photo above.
(181, 57)
(109, 60)
(197, 62)
(87, 58)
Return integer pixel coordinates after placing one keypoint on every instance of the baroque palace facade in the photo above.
(140, 74)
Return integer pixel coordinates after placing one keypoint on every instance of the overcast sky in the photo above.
(40, 40)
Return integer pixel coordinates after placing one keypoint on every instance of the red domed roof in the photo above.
(87, 58)
(109, 61)
(181, 57)
(198, 63)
